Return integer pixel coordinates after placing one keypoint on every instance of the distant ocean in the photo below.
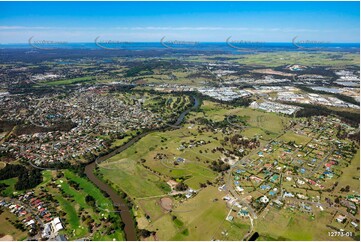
(201, 46)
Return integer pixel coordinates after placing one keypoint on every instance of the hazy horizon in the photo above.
(275, 22)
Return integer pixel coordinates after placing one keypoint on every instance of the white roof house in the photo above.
(254, 105)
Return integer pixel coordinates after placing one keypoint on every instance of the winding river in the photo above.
(125, 214)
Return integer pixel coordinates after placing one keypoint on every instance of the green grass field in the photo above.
(10, 190)
(201, 218)
(6, 228)
(285, 58)
(294, 226)
(68, 81)
(262, 124)
(301, 58)
(291, 136)
(132, 178)
(350, 173)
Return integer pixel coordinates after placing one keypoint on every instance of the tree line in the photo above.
(27, 177)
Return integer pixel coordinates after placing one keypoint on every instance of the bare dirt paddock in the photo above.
(166, 203)
(7, 238)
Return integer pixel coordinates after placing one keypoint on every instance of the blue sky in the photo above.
(190, 21)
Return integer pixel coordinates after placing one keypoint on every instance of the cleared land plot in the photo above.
(132, 178)
(291, 136)
(197, 219)
(350, 174)
(151, 207)
(294, 226)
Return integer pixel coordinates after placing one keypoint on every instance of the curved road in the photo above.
(125, 213)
